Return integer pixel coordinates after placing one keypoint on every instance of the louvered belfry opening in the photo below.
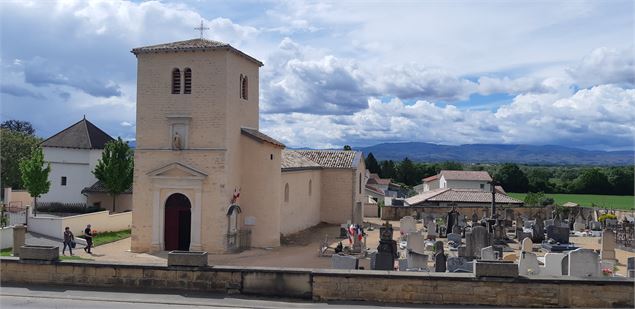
(187, 85)
(176, 81)
(244, 88)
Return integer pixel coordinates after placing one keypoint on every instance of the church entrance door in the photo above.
(178, 217)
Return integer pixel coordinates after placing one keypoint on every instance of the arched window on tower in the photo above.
(244, 87)
(187, 82)
(176, 81)
(286, 193)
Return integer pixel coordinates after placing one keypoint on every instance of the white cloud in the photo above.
(605, 66)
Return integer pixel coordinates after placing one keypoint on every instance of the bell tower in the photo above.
(193, 99)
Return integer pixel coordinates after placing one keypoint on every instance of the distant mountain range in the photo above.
(496, 153)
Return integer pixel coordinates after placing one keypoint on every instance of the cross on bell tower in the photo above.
(201, 28)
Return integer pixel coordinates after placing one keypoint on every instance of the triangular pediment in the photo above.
(177, 170)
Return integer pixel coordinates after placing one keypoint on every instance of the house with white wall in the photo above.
(478, 180)
(73, 154)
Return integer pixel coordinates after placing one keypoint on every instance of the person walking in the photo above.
(88, 234)
(69, 240)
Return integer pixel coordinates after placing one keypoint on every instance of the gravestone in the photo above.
(387, 249)
(528, 223)
(560, 234)
(579, 225)
(459, 264)
(439, 257)
(538, 231)
(451, 220)
(403, 264)
(432, 229)
(416, 260)
(549, 222)
(456, 229)
(343, 262)
(373, 259)
(584, 263)
(630, 267)
(595, 226)
(477, 239)
(610, 223)
(488, 253)
(520, 223)
(454, 240)
(608, 245)
(528, 264)
(407, 225)
(553, 264)
(427, 220)
(474, 218)
(509, 214)
(416, 243)
(527, 245)
(462, 223)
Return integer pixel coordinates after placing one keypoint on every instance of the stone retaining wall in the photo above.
(329, 284)
(397, 212)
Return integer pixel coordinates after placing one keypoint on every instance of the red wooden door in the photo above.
(177, 223)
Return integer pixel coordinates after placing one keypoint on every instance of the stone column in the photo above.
(19, 235)
(195, 233)
(156, 220)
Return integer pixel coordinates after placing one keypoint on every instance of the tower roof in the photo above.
(83, 135)
(192, 45)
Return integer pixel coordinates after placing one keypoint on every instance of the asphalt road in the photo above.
(58, 297)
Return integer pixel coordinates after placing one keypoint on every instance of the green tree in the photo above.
(115, 168)
(406, 173)
(372, 165)
(388, 169)
(539, 180)
(534, 199)
(512, 178)
(592, 181)
(35, 174)
(347, 147)
(621, 180)
(15, 146)
(24, 127)
(449, 166)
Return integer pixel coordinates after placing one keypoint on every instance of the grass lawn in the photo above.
(6, 252)
(602, 201)
(108, 237)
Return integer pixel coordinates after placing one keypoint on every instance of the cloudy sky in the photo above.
(358, 73)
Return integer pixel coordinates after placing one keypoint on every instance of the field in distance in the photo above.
(603, 201)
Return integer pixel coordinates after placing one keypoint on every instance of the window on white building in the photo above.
(63, 180)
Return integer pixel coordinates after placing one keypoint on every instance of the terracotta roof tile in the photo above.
(292, 160)
(375, 190)
(461, 196)
(191, 45)
(431, 178)
(466, 175)
(333, 158)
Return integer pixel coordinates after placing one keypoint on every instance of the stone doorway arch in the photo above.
(178, 221)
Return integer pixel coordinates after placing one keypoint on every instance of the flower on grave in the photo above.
(607, 272)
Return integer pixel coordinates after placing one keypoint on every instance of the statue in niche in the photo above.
(176, 141)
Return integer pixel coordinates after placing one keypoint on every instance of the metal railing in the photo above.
(238, 241)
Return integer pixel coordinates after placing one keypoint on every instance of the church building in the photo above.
(205, 177)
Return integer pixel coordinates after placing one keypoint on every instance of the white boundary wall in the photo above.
(6, 237)
(100, 222)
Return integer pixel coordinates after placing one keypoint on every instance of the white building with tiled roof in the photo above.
(479, 180)
(73, 154)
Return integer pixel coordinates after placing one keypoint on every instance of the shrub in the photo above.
(606, 216)
(78, 208)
